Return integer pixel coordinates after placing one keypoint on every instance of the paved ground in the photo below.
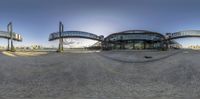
(100, 75)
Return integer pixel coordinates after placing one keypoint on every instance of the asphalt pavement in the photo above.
(101, 75)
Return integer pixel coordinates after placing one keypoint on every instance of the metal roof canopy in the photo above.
(136, 33)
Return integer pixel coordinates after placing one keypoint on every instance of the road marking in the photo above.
(8, 54)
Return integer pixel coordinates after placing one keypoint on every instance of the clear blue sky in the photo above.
(36, 19)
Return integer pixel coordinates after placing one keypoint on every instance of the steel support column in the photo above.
(144, 44)
(10, 30)
(8, 47)
(133, 42)
(61, 30)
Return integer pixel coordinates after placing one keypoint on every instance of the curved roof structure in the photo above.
(16, 37)
(75, 34)
(135, 35)
(184, 34)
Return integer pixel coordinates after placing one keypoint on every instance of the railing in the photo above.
(4, 34)
(75, 34)
(183, 34)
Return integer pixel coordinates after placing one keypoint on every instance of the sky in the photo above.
(36, 19)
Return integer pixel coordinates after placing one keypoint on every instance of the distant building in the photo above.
(36, 47)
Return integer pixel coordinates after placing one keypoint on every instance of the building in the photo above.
(135, 39)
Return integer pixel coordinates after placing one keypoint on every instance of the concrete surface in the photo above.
(173, 74)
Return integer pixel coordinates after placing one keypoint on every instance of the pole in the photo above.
(61, 29)
(8, 47)
(11, 36)
(8, 30)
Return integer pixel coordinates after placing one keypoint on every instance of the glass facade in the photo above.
(133, 37)
(134, 40)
